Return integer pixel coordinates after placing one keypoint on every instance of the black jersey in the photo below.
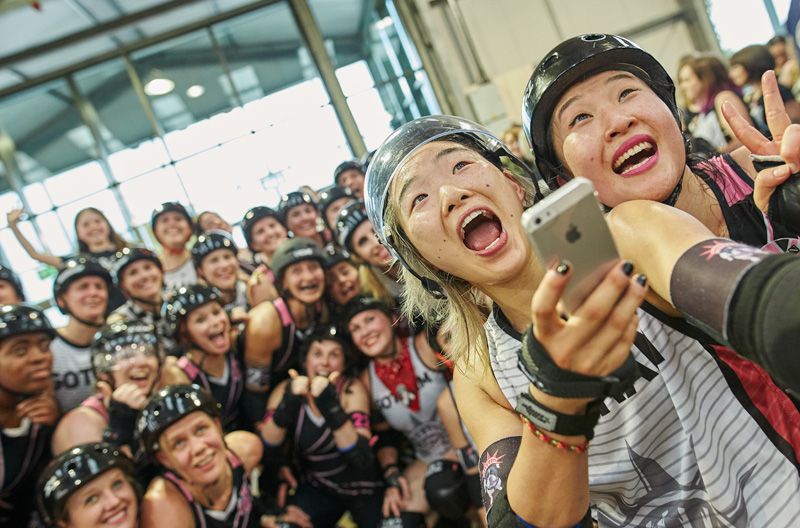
(285, 357)
(241, 512)
(227, 390)
(24, 451)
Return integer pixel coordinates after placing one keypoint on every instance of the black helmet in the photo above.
(254, 215)
(572, 61)
(185, 300)
(23, 318)
(75, 268)
(351, 216)
(401, 144)
(167, 407)
(362, 303)
(128, 256)
(295, 250)
(120, 340)
(324, 332)
(293, 199)
(168, 207)
(330, 194)
(72, 469)
(346, 166)
(333, 256)
(10, 277)
(211, 241)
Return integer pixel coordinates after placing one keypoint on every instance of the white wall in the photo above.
(511, 36)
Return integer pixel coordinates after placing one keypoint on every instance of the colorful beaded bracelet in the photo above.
(582, 448)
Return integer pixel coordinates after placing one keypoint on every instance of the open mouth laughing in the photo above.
(635, 155)
(482, 232)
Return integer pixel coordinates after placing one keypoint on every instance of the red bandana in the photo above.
(399, 377)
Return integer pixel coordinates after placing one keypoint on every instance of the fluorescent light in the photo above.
(159, 86)
(195, 91)
(384, 23)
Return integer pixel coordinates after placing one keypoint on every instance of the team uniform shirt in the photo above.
(73, 377)
(686, 446)
(706, 126)
(130, 310)
(285, 357)
(24, 452)
(746, 223)
(226, 390)
(424, 428)
(241, 511)
(240, 298)
(183, 275)
(322, 464)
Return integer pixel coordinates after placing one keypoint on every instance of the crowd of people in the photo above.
(388, 351)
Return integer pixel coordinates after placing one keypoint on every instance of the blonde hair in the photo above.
(465, 310)
(371, 285)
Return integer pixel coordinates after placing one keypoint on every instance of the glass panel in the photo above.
(54, 235)
(37, 197)
(128, 163)
(8, 201)
(144, 193)
(47, 131)
(36, 288)
(76, 183)
(17, 258)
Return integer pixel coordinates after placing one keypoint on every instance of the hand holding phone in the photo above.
(569, 224)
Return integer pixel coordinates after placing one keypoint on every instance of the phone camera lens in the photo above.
(537, 221)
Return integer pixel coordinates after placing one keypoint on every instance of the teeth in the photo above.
(631, 151)
(473, 215)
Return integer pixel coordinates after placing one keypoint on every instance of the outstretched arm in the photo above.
(13, 220)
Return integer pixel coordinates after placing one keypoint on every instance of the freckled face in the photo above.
(105, 501)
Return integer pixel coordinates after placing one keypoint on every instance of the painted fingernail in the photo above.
(627, 268)
(562, 268)
(641, 279)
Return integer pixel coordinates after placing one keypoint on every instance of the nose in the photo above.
(618, 124)
(451, 196)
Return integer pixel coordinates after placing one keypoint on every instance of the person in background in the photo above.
(10, 287)
(331, 200)
(786, 67)
(341, 280)
(264, 231)
(301, 217)
(28, 408)
(172, 227)
(748, 65)
(215, 259)
(81, 293)
(96, 239)
(350, 174)
(90, 486)
(210, 221)
(705, 86)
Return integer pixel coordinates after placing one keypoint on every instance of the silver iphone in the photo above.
(569, 225)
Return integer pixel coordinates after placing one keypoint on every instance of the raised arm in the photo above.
(13, 220)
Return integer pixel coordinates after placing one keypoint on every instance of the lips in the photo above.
(635, 155)
(116, 517)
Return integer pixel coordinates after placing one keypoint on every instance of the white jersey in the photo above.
(73, 377)
(184, 275)
(680, 449)
(424, 428)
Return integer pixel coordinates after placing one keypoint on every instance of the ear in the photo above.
(163, 459)
(517, 188)
(560, 179)
(60, 302)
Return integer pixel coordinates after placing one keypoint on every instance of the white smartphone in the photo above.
(569, 224)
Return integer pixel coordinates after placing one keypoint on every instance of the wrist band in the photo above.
(393, 479)
(558, 444)
(537, 365)
(552, 421)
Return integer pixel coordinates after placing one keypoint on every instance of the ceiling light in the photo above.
(157, 84)
(195, 91)
(384, 23)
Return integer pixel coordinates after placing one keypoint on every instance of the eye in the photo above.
(417, 199)
(178, 444)
(200, 429)
(117, 484)
(625, 93)
(460, 165)
(90, 499)
(578, 118)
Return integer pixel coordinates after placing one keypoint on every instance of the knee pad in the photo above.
(446, 489)
(406, 520)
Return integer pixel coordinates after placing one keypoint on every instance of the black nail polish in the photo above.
(627, 268)
(562, 268)
(641, 279)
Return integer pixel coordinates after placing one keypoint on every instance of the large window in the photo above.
(740, 23)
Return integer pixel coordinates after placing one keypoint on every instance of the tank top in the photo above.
(706, 126)
(321, 463)
(683, 447)
(73, 376)
(24, 451)
(227, 390)
(242, 511)
(746, 223)
(424, 429)
(285, 357)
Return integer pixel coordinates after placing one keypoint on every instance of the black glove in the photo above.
(328, 404)
(121, 424)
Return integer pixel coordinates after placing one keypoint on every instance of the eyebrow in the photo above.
(439, 155)
(613, 78)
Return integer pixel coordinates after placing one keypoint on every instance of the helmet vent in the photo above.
(548, 61)
(593, 37)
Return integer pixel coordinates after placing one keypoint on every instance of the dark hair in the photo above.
(777, 39)
(755, 60)
(712, 73)
(113, 237)
(198, 230)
